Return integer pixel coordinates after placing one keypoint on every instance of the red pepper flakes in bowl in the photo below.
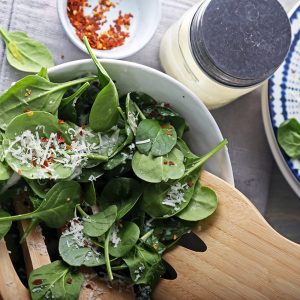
(90, 25)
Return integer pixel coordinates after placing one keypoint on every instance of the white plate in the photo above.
(204, 133)
(281, 101)
(146, 17)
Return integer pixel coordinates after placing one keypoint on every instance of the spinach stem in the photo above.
(76, 81)
(121, 267)
(106, 255)
(97, 244)
(205, 158)
(33, 223)
(97, 157)
(121, 113)
(4, 36)
(146, 235)
(93, 56)
(81, 211)
(139, 111)
(77, 94)
(17, 217)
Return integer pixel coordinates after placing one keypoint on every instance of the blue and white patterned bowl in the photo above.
(281, 101)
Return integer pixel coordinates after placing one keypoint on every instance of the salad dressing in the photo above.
(223, 50)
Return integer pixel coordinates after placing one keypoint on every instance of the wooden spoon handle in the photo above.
(245, 257)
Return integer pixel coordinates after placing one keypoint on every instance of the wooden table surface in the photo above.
(255, 171)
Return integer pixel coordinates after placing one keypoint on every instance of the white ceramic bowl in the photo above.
(204, 133)
(146, 17)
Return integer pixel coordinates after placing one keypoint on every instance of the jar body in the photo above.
(178, 61)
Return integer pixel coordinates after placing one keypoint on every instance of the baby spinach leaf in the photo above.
(89, 193)
(89, 175)
(145, 266)
(132, 114)
(44, 73)
(156, 169)
(24, 53)
(79, 255)
(154, 244)
(128, 234)
(44, 124)
(5, 171)
(122, 192)
(203, 203)
(33, 93)
(38, 187)
(143, 100)
(4, 226)
(55, 281)
(155, 138)
(59, 204)
(104, 112)
(67, 110)
(169, 198)
(289, 138)
(97, 224)
(168, 230)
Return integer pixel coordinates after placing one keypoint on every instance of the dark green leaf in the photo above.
(126, 235)
(132, 114)
(122, 192)
(155, 138)
(67, 110)
(156, 169)
(89, 193)
(96, 225)
(32, 93)
(289, 138)
(24, 53)
(5, 171)
(89, 175)
(40, 188)
(59, 204)
(55, 281)
(75, 255)
(145, 266)
(104, 112)
(203, 203)
(4, 226)
(167, 199)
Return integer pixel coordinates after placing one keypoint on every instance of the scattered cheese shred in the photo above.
(175, 196)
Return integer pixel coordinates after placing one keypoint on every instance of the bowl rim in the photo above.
(73, 64)
(61, 9)
(273, 143)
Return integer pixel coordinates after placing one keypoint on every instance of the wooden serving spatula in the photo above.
(245, 259)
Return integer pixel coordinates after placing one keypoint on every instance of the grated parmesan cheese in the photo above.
(31, 150)
(175, 196)
(143, 142)
(114, 238)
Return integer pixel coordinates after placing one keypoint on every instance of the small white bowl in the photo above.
(146, 17)
(204, 133)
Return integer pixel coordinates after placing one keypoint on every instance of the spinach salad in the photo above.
(113, 173)
(288, 136)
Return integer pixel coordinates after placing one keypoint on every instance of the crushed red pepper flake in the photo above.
(69, 280)
(61, 122)
(190, 183)
(90, 25)
(37, 281)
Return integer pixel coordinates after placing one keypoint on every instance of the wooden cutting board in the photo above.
(245, 259)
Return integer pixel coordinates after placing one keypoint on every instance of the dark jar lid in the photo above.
(240, 42)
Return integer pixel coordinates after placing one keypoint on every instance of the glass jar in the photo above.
(222, 50)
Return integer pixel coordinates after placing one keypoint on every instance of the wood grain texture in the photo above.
(11, 288)
(245, 257)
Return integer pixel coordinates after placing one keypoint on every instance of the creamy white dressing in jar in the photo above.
(221, 50)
